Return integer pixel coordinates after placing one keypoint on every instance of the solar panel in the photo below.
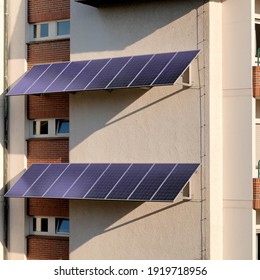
(175, 68)
(131, 182)
(85, 182)
(109, 73)
(65, 78)
(45, 180)
(153, 68)
(40, 85)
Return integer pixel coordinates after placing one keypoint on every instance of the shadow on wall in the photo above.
(105, 219)
(126, 111)
(119, 26)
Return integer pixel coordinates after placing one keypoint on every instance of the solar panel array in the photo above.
(109, 73)
(131, 182)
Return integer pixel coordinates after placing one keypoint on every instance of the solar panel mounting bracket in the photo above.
(186, 77)
(186, 192)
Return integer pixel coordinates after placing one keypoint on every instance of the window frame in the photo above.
(52, 226)
(52, 30)
(52, 128)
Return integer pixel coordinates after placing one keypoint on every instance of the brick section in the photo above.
(49, 150)
(48, 207)
(256, 81)
(256, 193)
(48, 10)
(47, 247)
(54, 105)
(48, 51)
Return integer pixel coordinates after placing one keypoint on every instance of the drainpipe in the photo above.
(2, 121)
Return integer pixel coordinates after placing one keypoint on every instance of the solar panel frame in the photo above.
(104, 181)
(99, 74)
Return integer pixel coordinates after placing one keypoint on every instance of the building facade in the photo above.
(211, 120)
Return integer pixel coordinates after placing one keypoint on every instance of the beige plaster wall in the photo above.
(158, 125)
(238, 129)
(17, 119)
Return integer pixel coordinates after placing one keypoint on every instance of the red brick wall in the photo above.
(47, 10)
(256, 193)
(48, 51)
(54, 105)
(48, 207)
(256, 81)
(47, 150)
(47, 247)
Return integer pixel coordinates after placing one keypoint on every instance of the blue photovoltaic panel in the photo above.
(67, 76)
(152, 181)
(175, 182)
(47, 178)
(107, 181)
(154, 67)
(86, 181)
(65, 181)
(130, 182)
(87, 75)
(111, 73)
(27, 179)
(175, 68)
(28, 79)
(130, 71)
(108, 73)
(41, 84)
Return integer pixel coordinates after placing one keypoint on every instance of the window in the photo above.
(40, 127)
(49, 128)
(258, 246)
(62, 226)
(62, 126)
(63, 28)
(49, 226)
(257, 35)
(40, 224)
(50, 30)
(40, 30)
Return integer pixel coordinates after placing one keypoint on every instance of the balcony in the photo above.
(256, 193)
(107, 3)
(256, 81)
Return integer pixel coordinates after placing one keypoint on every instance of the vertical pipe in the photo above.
(2, 144)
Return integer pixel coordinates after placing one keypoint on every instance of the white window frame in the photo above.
(52, 34)
(51, 226)
(52, 130)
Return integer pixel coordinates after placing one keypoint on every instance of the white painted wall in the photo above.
(160, 125)
(17, 119)
(238, 128)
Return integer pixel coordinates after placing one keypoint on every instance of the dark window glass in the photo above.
(257, 34)
(63, 28)
(44, 224)
(34, 224)
(44, 127)
(258, 239)
(34, 128)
